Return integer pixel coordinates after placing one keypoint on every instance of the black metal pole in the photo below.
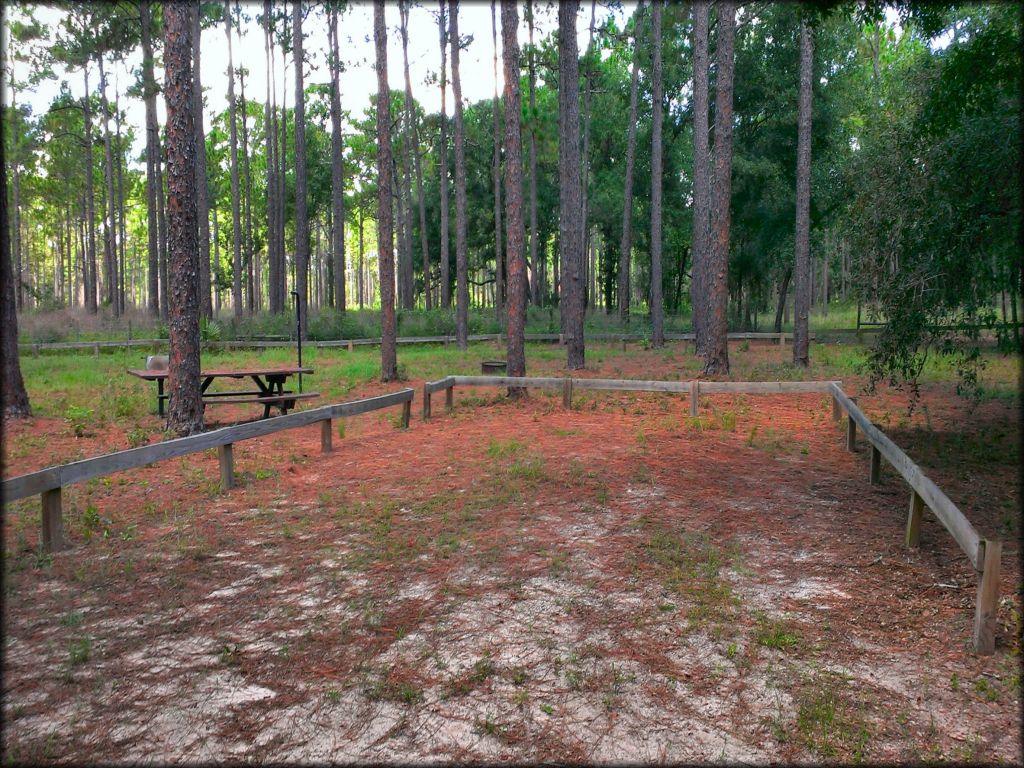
(298, 333)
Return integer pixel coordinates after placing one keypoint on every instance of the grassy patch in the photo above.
(830, 722)
(690, 564)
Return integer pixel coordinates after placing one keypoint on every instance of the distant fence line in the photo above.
(822, 334)
(96, 346)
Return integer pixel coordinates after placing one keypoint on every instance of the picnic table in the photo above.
(270, 391)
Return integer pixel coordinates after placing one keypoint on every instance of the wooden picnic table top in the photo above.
(231, 373)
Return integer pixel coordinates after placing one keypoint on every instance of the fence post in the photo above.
(694, 394)
(226, 456)
(350, 345)
(426, 402)
(851, 431)
(53, 523)
(567, 394)
(326, 436)
(96, 349)
(449, 397)
(837, 409)
(782, 339)
(406, 412)
(988, 597)
(876, 466)
(914, 519)
(623, 343)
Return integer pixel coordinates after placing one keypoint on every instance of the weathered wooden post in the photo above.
(876, 466)
(96, 349)
(53, 522)
(851, 431)
(406, 413)
(914, 519)
(426, 402)
(449, 397)
(694, 395)
(567, 394)
(326, 436)
(837, 409)
(226, 456)
(987, 606)
(623, 343)
(351, 347)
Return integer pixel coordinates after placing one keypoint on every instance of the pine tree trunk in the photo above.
(362, 282)
(657, 301)
(461, 263)
(716, 354)
(110, 216)
(701, 259)
(337, 168)
(301, 185)
(282, 189)
(251, 273)
(91, 298)
(517, 288)
(626, 246)
(121, 227)
(270, 131)
(446, 288)
(802, 299)
(19, 292)
(412, 154)
(202, 188)
(236, 216)
(570, 200)
(13, 396)
(162, 205)
(185, 404)
(499, 255)
(216, 261)
(537, 277)
(781, 304)
(385, 248)
(404, 242)
(588, 297)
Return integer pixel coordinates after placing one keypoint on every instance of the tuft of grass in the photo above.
(79, 651)
(830, 723)
(503, 449)
(775, 634)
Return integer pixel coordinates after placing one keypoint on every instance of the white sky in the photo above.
(359, 80)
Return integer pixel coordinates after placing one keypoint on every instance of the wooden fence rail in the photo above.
(49, 482)
(568, 385)
(96, 346)
(983, 554)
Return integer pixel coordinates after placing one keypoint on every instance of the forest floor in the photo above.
(512, 581)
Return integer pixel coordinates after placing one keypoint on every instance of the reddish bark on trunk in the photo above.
(185, 404)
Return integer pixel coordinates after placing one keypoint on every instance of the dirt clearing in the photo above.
(513, 582)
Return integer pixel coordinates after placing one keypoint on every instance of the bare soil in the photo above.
(514, 582)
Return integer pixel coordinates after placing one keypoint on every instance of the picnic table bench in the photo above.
(269, 392)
